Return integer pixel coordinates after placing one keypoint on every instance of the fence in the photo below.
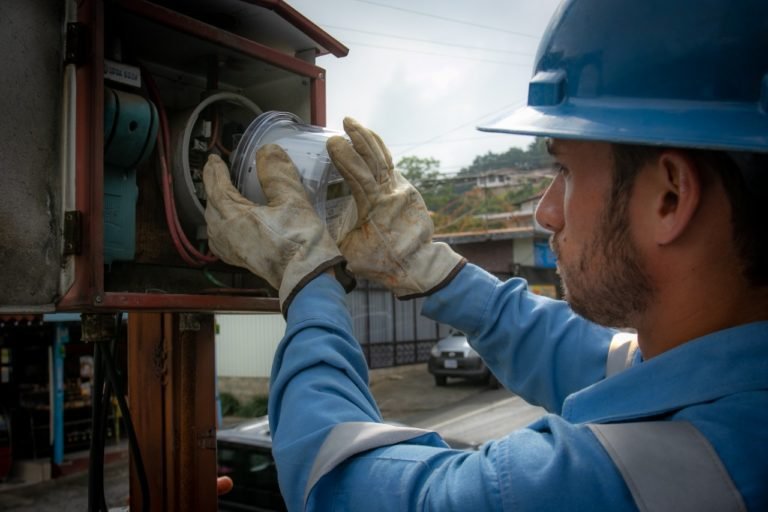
(391, 332)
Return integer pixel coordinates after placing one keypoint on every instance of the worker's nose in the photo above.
(549, 212)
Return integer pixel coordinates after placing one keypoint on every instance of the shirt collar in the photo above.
(701, 370)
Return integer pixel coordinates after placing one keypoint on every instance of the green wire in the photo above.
(212, 278)
(207, 273)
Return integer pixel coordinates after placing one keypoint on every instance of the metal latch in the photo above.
(73, 232)
(76, 50)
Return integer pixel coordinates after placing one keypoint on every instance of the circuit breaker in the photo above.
(110, 109)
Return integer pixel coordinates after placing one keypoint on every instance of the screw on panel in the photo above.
(77, 44)
(73, 228)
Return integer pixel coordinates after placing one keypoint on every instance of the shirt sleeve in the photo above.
(536, 346)
(320, 381)
(549, 467)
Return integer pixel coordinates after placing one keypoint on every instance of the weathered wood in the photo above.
(171, 391)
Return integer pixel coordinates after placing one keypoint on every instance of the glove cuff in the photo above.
(431, 268)
(344, 276)
(288, 289)
(441, 284)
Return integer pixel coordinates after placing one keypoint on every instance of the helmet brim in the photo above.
(700, 125)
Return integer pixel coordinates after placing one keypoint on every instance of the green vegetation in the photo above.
(534, 157)
(424, 174)
(457, 205)
(231, 406)
(524, 191)
(256, 406)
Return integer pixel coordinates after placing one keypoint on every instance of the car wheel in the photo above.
(441, 380)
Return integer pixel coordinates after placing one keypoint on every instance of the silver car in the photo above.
(453, 357)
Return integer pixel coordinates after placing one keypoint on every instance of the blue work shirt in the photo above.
(540, 349)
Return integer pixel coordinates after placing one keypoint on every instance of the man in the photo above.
(658, 216)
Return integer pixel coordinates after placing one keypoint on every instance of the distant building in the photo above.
(523, 215)
(504, 180)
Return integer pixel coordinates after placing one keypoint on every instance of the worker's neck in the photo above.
(690, 312)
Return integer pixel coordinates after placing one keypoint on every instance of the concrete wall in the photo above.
(244, 388)
(523, 252)
(245, 348)
(246, 344)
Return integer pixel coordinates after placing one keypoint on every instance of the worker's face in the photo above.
(601, 271)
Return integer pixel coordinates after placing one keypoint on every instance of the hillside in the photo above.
(485, 195)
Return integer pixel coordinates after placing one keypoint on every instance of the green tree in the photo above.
(533, 157)
(424, 174)
(456, 205)
(419, 170)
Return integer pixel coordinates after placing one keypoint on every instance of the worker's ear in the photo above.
(679, 185)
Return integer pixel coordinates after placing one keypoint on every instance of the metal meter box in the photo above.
(108, 110)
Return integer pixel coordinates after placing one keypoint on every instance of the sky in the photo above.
(424, 74)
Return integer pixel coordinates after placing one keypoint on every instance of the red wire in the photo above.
(184, 247)
(215, 142)
(168, 213)
(175, 224)
(224, 151)
(215, 131)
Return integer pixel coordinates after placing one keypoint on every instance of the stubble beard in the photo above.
(607, 283)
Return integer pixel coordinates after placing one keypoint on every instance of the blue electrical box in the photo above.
(130, 131)
(120, 195)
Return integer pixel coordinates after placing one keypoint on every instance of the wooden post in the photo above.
(171, 391)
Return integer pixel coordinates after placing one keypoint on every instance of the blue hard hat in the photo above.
(685, 73)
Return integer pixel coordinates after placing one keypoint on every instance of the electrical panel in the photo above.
(110, 110)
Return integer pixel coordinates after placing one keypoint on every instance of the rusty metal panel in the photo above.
(171, 389)
(147, 378)
(31, 33)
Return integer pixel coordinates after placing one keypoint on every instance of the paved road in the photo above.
(69, 493)
(480, 418)
(461, 410)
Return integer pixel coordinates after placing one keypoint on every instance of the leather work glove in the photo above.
(284, 241)
(391, 242)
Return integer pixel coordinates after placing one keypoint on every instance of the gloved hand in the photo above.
(284, 241)
(391, 242)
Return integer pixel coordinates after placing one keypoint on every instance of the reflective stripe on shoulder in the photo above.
(348, 439)
(669, 466)
(621, 352)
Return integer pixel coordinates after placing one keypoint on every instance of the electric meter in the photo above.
(305, 145)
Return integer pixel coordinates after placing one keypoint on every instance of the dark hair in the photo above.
(745, 179)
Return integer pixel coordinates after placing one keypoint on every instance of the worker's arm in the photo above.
(329, 443)
(319, 389)
(319, 380)
(537, 347)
